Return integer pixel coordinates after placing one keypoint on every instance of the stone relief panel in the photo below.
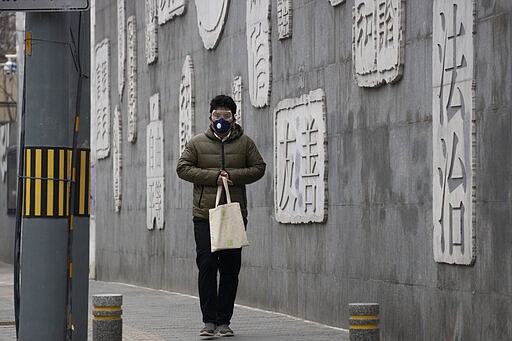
(258, 51)
(300, 159)
(211, 17)
(336, 2)
(453, 125)
(237, 97)
(4, 144)
(155, 167)
(121, 46)
(168, 9)
(151, 43)
(102, 67)
(117, 158)
(377, 41)
(132, 78)
(284, 18)
(187, 102)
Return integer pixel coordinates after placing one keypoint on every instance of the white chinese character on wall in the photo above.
(117, 158)
(187, 103)
(453, 126)
(168, 9)
(4, 144)
(151, 42)
(284, 18)
(258, 51)
(336, 2)
(377, 41)
(300, 159)
(237, 98)
(155, 198)
(121, 46)
(211, 17)
(102, 99)
(132, 78)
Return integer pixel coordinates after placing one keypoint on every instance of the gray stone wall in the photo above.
(376, 244)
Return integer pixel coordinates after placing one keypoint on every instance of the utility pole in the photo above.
(55, 233)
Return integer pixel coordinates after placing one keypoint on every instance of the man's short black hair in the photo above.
(223, 101)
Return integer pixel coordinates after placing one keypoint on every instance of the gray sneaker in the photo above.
(224, 330)
(208, 329)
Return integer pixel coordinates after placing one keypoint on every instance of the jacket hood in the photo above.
(236, 132)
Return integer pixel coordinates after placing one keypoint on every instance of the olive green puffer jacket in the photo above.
(203, 158)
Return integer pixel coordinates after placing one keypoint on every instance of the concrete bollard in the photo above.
(364, 321)
(107, 324)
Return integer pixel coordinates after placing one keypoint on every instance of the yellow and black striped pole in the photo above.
(48, 175)
(364, 321)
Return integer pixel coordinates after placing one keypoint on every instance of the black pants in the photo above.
(216, 303)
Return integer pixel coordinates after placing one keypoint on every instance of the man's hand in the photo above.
(223, 174)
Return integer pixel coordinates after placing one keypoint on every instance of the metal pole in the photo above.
(57, 62)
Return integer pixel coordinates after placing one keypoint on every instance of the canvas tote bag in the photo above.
(227, 228)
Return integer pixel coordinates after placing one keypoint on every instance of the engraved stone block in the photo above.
(284, 18)
(258, 51)
(121, 46)
(211, 17)
(117, 158)
(453, 126)
(237, 97)
(187, 103)
(168, 9)
(132, 78)
(4, 144)
(155, 197)
(151, 43)
(336, 2)
(377, 41)
(300, 159)
(102, 67)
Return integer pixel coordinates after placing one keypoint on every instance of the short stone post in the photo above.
(364, 321)
(107, 324)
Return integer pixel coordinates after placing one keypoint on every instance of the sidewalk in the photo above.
(158, 315)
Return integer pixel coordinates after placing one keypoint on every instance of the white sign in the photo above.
(300, 159)
(453, 124)
(377, 41)
(41, 5)
(155, 193)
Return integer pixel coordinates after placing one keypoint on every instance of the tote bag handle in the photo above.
(219, 192)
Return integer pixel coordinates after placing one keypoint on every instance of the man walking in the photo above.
(221, 151)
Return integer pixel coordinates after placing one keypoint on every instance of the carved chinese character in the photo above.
(117, 158)
(121, 46)
(132, 78)
(168, 9)
(284, 18)
(237, 97)
(377, 41)
(300, 159)
(151, 43)
(211, 17)
(155, 198)
(102, 99)
(336, 2)
(452, 122)
(187, 103)
(258, 51)
(4, 144)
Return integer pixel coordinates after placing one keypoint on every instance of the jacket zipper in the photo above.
(222, 155)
